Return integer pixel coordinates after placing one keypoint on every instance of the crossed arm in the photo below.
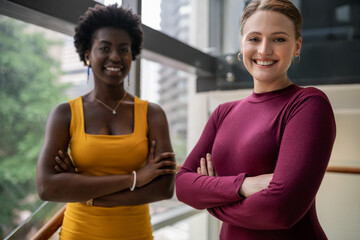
(58, 181)
(250, 185)
(270, 201)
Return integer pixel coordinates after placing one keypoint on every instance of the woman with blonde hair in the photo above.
(260, 161)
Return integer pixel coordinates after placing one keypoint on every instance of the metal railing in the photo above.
(46, 231)
(158, 221)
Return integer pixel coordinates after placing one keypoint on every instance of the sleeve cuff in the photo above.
(238, 182)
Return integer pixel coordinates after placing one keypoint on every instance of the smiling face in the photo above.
(110, 56)
(268, 44)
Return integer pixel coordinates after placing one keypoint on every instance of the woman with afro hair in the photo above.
(107, 153)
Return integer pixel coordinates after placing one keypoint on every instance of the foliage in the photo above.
(29, 89)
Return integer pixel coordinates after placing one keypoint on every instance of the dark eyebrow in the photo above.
(107, 42)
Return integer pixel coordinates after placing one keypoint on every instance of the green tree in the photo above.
(29, 89)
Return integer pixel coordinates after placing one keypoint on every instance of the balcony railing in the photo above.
(158, 221)
(343, 169)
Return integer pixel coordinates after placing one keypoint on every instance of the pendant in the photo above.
(114, 112)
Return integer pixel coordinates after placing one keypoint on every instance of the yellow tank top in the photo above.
(106, 155)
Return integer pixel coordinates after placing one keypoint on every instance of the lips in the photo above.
(264, 63)
(114, 69)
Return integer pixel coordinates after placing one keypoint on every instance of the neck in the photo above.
(109, 94)
(261, 87)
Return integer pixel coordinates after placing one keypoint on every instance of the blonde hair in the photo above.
(282, 6)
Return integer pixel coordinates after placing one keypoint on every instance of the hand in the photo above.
(206, 167)
(255, 184)
(63, 163)
(156, 166)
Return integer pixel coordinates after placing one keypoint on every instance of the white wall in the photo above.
(338, 201)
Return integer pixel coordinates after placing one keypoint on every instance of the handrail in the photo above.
(158, 221)
(172, 216)
(46, 231)
(334, 169)
(54, 223)
(343, 169)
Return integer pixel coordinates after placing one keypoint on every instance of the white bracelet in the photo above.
(134, 183)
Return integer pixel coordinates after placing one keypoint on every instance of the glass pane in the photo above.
(331, 40)
(174, 18)
(35, 221)
(38, 70)
(194, 227)
(150, 13)
(168, 87)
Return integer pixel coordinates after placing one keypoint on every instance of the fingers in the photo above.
(64, 163)
(166, 171)
(209, 165)
(164, 155)
(152, 149)
(64, 157)
(60, 164)
(206, 167)
(166, 164)
(164, 167)
(203, 170)
(58, 169)
(61, 154)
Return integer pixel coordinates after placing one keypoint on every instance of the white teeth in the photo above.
(264, 63)
(113, 69)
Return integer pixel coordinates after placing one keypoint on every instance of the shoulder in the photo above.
(311, 100)
(62, 109)
(225, 108)
(152, 109)
(61, 114)
(311, 92)
(229, 105)
(155, 112)
(311, 96)
(221, 112)
(157, 121)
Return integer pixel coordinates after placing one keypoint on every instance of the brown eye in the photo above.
(253, 39)
(104, 49)
(279, 40)
(124, 50)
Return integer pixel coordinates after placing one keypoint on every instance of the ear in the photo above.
(241, 44)
(87, 55)
(298, 47)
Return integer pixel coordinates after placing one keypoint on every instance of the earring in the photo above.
(296, 59)
(88, 70)
(239, 57)
(128, 80)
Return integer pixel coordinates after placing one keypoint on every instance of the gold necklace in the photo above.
(117, 105)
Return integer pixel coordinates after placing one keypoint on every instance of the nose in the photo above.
(115, 56)
(265, 48)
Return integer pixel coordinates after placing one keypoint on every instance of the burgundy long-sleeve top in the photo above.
(288, 132)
